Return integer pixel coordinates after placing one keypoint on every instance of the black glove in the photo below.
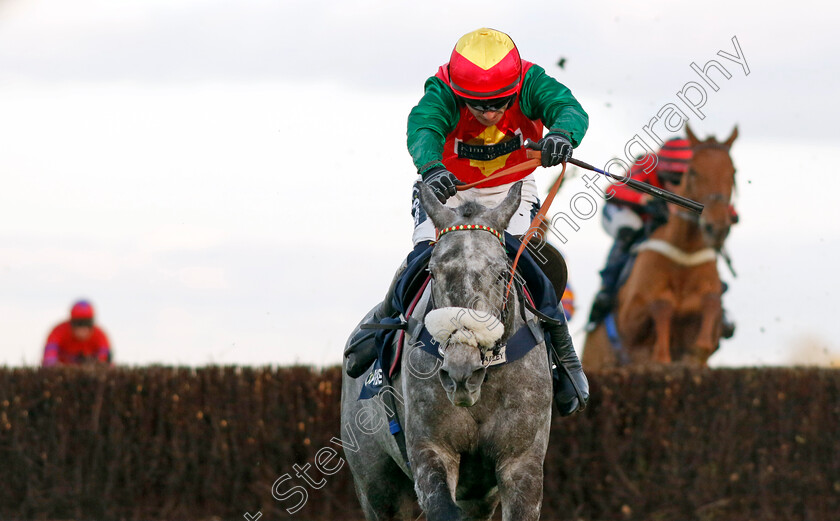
(442, 181)
(555, 148)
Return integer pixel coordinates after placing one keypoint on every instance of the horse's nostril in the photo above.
(710, 229)
(447, 381)
(476, 379)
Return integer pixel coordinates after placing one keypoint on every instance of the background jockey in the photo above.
(472, 121)
(78, 340)
(630, 216)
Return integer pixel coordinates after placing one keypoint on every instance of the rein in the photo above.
(535, 223)
(533, 161)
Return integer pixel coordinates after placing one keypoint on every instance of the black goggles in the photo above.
(670, 176)
(490, 105)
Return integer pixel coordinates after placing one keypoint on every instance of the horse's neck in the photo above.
(681, 233)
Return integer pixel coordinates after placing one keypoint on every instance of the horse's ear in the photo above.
(692, 139)
(440, 215)
(731, 139)
(502, 214)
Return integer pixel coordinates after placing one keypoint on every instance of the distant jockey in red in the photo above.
(630, 216)
(77, 341)
(474, 116)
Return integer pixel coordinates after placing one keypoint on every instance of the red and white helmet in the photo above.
(485, 64)
(674, 155)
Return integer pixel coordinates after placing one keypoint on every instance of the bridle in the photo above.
(469, 227)
(503, 314)
(537, 220)
(709, 199)
(713, 198)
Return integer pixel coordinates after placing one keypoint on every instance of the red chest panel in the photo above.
(70, 347)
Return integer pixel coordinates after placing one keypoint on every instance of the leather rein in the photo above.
(533, 161)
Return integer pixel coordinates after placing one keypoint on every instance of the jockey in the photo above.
(77, 341)
(630, 216)
(472, 121)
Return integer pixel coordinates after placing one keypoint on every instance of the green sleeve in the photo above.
(551, 102)
(434, 117)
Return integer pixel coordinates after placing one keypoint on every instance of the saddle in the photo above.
(552, 263)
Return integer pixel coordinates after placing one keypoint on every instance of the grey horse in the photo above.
(475, 436)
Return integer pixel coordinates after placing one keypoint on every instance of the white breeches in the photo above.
(424, 229)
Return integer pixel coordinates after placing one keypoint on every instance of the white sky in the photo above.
(196, 168)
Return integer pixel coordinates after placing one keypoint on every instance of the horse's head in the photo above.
(469, 268)
(710, 180)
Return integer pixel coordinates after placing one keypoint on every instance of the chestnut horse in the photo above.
(670, 307)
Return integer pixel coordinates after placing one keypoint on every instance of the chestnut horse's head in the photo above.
(710, 180)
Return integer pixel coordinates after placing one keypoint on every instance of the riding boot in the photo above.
(727, 326)
(571, 388)
(616, 259)
(361, 349)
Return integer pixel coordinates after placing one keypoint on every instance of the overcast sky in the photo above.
(228, 181)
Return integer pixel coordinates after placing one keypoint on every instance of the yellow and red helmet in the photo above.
(485, 64)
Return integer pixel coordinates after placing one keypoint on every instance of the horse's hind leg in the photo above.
(385, 494)
(479, 509)
(477, 494)
(521, 487)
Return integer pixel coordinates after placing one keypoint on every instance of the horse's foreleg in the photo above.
(709, 334)
(521, 488)
(662, 312)
(435, 477)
